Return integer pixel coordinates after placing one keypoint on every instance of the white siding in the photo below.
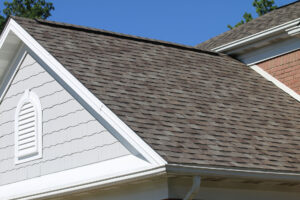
(71, 136)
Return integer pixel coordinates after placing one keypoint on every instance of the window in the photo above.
(28, 128)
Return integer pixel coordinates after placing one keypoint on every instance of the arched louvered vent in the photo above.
(28, 126)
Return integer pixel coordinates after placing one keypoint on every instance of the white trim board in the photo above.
(82, 178)
(12, 70)
(190, 170)
(276, 82)
(270, 51)
(256, 36)
(82, 92)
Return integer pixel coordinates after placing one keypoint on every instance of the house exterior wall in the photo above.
(285, 68)
(216, 193)
(72, 137)
(150, 189)
(176, 188)
(227, 189)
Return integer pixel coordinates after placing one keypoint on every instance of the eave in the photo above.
(263, 38)
(189, 170)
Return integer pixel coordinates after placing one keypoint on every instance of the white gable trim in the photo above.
(13, 69)
(276, 82)
(123, 169)
(144, 149)
(143, 159)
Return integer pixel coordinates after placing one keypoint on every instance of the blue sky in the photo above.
(182, 21)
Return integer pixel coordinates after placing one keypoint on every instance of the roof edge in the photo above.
(119, 35)
(97, 175)
(287, 4)
(231, 172)
(257, 36)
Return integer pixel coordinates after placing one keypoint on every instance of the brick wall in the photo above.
(285, 68)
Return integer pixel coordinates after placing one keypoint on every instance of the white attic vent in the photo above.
(28, 128)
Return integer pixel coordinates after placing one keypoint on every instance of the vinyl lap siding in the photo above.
(71, 136)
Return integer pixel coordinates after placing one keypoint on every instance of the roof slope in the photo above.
(192, 107)
(277, 17)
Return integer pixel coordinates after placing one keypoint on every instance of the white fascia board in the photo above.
(144, 149)
(110, 172)
(276, 82)
(257, 36)
(270, 51)
(189, 170)
(295, 30)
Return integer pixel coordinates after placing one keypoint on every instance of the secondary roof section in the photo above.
(272, 19)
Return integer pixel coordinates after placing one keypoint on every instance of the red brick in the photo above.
(285, 68)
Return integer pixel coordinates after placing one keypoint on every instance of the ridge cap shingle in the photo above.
(116, 34)
(286, 5)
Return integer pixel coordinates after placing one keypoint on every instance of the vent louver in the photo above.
(27, 141)
(28, 128)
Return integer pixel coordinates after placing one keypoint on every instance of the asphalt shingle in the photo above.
(193, 107)
(274, 18)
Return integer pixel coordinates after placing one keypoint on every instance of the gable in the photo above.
(72, 137)
(15, 36)
(192, 107)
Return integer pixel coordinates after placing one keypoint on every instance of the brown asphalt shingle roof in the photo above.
(192, 107)
(274, 18)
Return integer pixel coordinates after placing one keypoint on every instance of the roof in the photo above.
(274, 18)
(193, 107)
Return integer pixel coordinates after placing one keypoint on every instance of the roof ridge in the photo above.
(119, 35)
(287, 5)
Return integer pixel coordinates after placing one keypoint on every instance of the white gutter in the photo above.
(295, 30)
(256, 36)
(233, 173)
(195, 188)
